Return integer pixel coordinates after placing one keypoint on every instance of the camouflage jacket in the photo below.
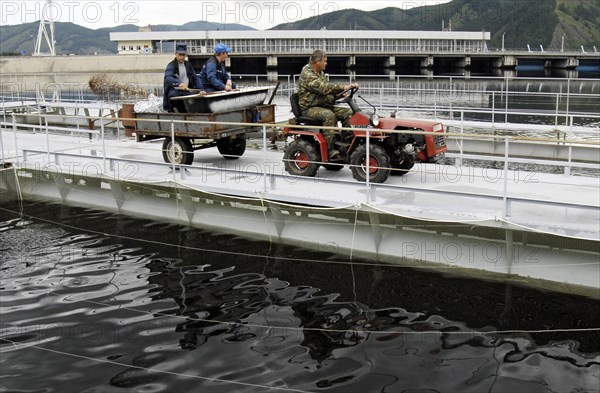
(315, 90)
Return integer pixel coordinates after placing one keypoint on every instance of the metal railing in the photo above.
(270, 178)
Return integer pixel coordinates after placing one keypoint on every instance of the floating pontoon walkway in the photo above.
(525, 224)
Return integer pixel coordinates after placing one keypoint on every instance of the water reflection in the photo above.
(158, 307)
(224, 307)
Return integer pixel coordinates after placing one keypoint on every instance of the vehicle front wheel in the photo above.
(232, 148)
(301, 158)
(177, 151)
(379, 164)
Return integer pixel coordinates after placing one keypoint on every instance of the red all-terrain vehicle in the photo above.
(389, 152)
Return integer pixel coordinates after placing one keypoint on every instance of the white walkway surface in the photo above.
(554, 203)
(543, 226)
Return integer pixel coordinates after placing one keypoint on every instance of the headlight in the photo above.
(374, 120)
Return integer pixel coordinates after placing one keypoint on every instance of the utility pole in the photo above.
(503, 41)
(562, 46)
(43, 32)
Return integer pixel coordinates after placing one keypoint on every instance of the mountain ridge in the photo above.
(522, 22)
(517, 23)
(72, 38)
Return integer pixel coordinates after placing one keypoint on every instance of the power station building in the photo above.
(294, 42)
(277, 52)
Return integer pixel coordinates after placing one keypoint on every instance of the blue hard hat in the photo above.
(222, 48)
(181, 48)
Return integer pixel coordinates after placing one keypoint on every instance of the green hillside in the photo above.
(579, 21)
(533, 22)
(72, 38)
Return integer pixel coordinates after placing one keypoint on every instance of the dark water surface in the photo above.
(93, 302)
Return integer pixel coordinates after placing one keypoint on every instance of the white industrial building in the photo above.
(290, 42)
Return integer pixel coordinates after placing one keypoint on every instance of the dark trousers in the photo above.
(178, 105)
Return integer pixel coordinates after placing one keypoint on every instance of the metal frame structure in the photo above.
(46, 20)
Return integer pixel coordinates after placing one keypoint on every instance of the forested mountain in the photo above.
(534, 22)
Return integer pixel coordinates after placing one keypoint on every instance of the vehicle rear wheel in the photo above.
(379, 164)
(301, 158)
(178, 151)
(404, 167)
(232, 148)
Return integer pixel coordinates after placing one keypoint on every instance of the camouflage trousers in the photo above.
(330, 118)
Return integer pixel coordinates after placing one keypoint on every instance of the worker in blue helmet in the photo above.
(214, 76)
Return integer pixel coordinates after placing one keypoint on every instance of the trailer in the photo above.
(212, 119)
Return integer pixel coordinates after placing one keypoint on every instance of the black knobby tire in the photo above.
(379, 164)
(333, 167)
(301, 158)
(404, 167)
(178, 152)
(232, 148)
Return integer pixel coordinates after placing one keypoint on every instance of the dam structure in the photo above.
(276, 54)
(384, 52)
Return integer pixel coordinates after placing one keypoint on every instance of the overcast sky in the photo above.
(260, 14)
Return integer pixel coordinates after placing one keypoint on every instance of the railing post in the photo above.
(117, 123)
(493, 108)
(264, 138)
(568, 97)
(505, 190)
(47, 138)
(182, 172)
(367, 169)
(14, 124)
(2, 138)
(77, 112)
(506, 104)
(103, 144)
(570, 124)
(461, 140)
(173, 147)
(556, 114)
(4, 111)
(39, 107)
(568, 166)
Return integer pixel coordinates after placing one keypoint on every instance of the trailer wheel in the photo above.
(301, 158)
(232, 149)
(379, 164)
(178, 151)
(404, 167)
